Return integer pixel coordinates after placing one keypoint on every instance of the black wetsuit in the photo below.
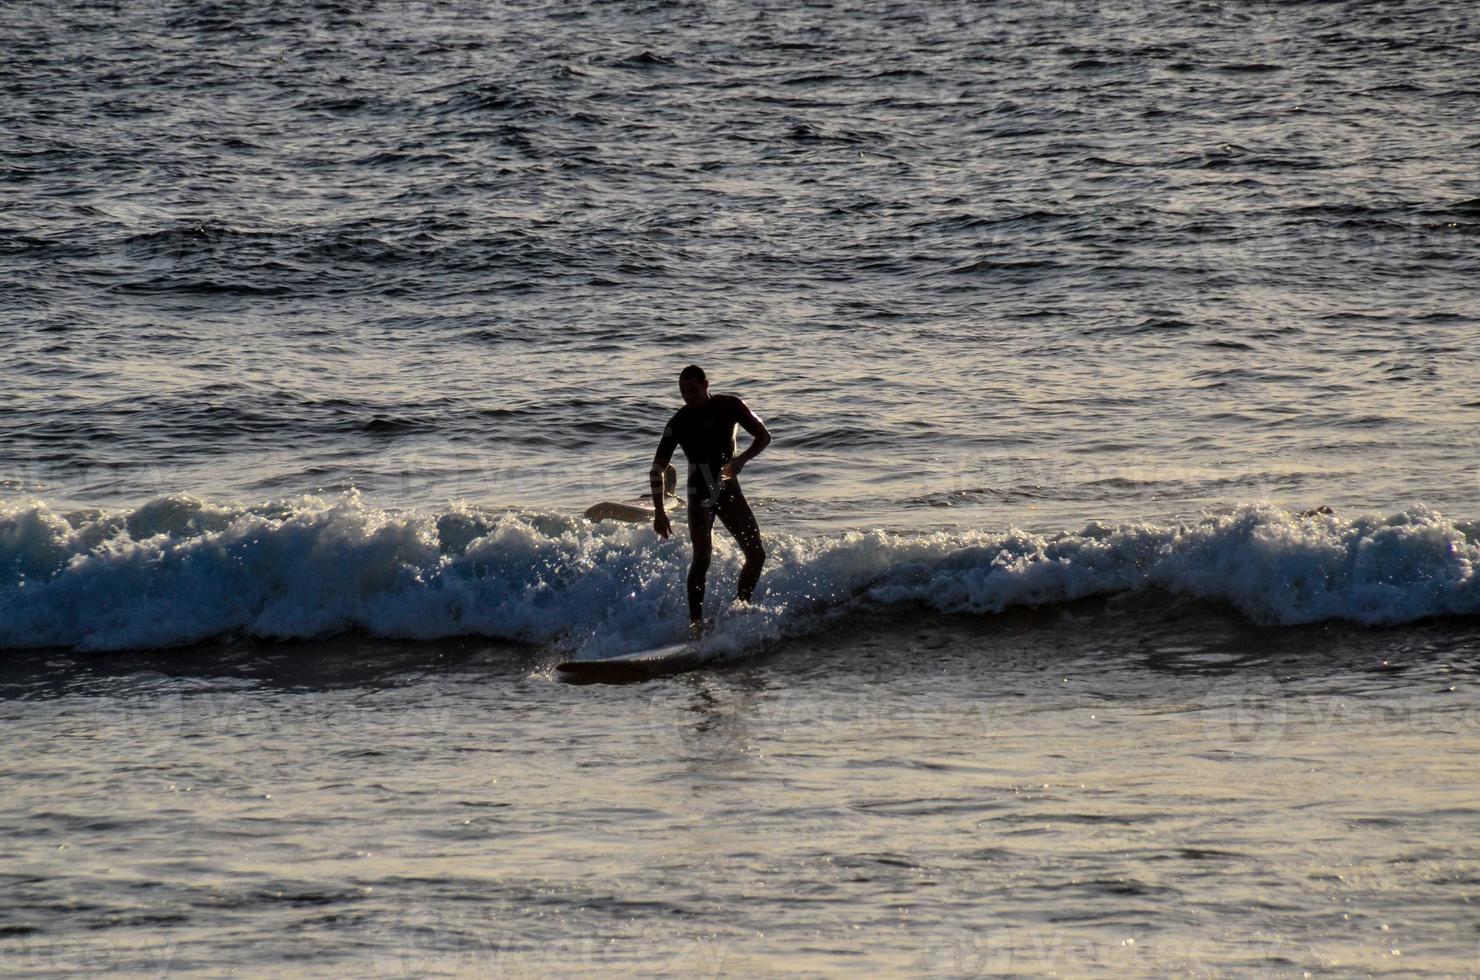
(707, 435)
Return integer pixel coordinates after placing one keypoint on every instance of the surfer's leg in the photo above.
(740, 521)
(701, 521)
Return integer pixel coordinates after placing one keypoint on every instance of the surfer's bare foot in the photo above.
(698, 627)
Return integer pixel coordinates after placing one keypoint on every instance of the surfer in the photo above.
(705, 428)
(641, 511)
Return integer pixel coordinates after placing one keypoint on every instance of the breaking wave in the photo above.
(179, 570)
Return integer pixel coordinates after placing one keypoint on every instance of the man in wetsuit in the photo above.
(705, 428)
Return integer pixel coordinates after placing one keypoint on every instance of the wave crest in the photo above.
(179, 570)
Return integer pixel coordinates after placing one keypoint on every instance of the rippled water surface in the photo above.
(325, 321)
(1178, 793)
(1036, 261)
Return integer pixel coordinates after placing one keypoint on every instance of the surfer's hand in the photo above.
(662, 525)
(732, 469)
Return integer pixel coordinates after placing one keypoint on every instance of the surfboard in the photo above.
(671, 659)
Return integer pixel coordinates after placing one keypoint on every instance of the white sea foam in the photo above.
(180, 570)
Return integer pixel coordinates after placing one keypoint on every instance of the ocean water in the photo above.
(1120, 614)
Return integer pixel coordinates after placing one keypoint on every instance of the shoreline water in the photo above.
(1103, 787)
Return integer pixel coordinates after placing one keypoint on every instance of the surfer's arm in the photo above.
(760, 438)
(655, 481)
(660, 463)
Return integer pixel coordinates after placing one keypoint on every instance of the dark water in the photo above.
(1170, 791)
(324, 321)
(1104, 259)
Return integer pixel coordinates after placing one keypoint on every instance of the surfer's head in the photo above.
(693, 385)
